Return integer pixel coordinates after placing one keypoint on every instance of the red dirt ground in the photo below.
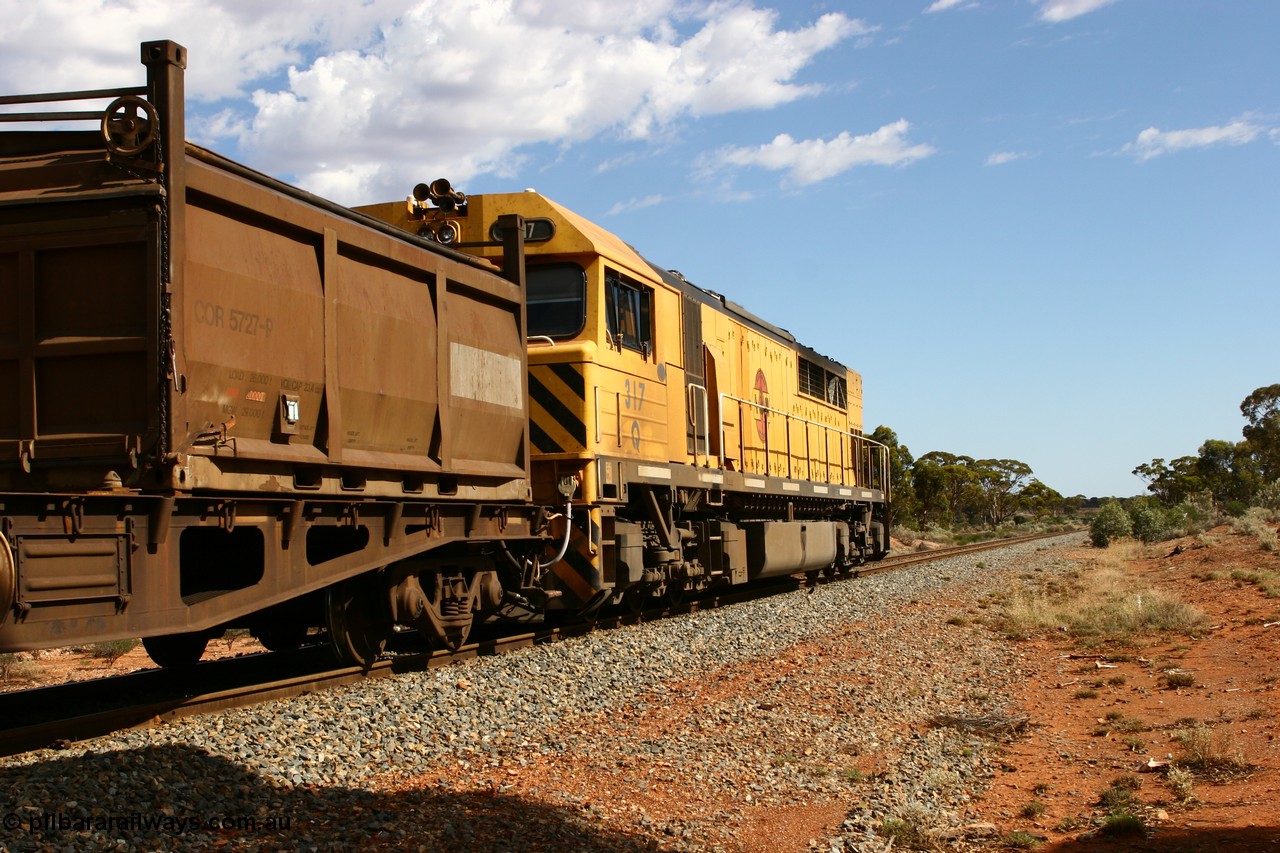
(1074, 751)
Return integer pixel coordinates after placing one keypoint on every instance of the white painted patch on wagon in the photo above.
(485, 376)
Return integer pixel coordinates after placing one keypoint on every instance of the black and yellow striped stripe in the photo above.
(557, 408)
(579, 573)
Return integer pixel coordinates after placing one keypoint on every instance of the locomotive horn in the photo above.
(444, 196)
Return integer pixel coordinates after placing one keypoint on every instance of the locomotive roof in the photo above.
(677, 280)
(608, 244)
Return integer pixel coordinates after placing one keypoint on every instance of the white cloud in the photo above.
(360, 100)
(636, 204)
(1153, 142)
(1001, 157)
(1057, 11)
(62, 44)
(808, 161)
(942, 5)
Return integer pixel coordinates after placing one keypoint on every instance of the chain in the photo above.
(168, 361)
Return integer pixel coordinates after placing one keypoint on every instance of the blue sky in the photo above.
(1046, 230)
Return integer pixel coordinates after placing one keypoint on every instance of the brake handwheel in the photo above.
(129, 125)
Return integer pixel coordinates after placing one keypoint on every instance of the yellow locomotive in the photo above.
(690, 442)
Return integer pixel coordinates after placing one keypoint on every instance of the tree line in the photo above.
(1234, 474)
(942, 489)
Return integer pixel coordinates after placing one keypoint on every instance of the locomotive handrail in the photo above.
(873, 455)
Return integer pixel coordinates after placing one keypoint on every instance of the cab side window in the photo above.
(628, 313)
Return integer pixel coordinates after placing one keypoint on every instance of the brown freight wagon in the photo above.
(224, 401)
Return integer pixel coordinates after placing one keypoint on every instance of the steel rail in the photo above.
(180, 698)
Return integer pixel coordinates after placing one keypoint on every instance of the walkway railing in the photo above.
(841, 456)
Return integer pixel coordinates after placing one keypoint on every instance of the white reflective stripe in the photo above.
(846, 493)
(650, 471)
(790, 487)
(711, 478)
(820, 490)
(485, 376)
(754, 483)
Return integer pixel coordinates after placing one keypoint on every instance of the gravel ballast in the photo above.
(812, 696)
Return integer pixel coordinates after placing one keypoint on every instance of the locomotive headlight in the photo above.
(447, 233)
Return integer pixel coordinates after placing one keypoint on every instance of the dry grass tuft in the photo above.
(1210, 753)
(994, 725)
(1102, 603)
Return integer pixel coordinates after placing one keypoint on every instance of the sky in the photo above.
(1043, 230)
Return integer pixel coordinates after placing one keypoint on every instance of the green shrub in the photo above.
(1269, 496)
(1197, 513)
(11, 668)
(112, 650)
(1111, 523)
(1123, 822)
(1150, 521)
(903, 831)
(1235, 509)
(1020, 840)
(1034, 809)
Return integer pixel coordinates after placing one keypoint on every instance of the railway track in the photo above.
(58, 716)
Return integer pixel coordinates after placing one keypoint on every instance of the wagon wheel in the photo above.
(8, 579)
(129, 125)
(176, 650)
(358, 620)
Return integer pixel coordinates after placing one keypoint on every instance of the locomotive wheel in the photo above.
(634, 599)
(282, 636)
(358, 621)
(175, 650)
